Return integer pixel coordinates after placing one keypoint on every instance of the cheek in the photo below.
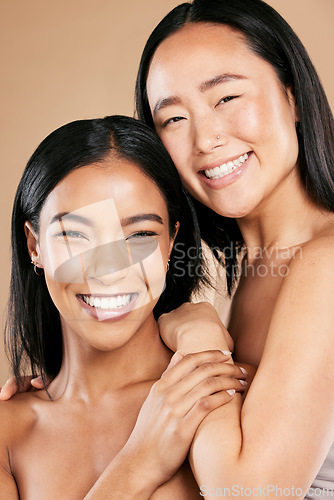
(250, 124)
(154, 271)
(179, 147)
(59, 297)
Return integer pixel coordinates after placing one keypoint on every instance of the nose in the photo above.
(103, 260)
(208, 134)
(106, 259)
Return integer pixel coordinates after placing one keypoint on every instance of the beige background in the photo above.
(72, 59)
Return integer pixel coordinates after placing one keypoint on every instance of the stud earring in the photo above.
(218, 137)
(168, 265)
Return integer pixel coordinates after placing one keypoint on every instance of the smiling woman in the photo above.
(246, 118)
(236, 100)
(98, 217)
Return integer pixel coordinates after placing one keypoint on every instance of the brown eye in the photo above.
(173, 120)
(227, 99)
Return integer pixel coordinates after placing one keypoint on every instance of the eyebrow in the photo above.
(124, 222)
(167, 101)
(203, 87)
(127, 221)
(217, 80)
(70, 216)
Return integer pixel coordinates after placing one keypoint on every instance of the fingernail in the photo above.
(243, 382)
(226, 353)
(245, 372)
(2, 393)
(231, 392)
(177, 356)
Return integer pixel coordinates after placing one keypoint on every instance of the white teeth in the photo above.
(226, 168)
(112, 302)
(115, 302)
(104, 303)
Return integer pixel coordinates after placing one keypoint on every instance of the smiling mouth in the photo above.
(226, 168)
(109, 302)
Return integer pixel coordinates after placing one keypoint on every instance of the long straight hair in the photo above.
(33, 331)
(271, 38)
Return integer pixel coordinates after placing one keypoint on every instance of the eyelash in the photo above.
(227, 99)
(176, 119)
(71, 234)
(171, 120)
(142, 234)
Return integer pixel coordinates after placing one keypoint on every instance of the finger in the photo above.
(174, 360)
(189, 363)
(9, 389)
(37, 382)
(213, 385)
(204, 406)
(208, 387)
(201, 374)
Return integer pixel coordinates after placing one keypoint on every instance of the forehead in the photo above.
(197, 52)
(205, 39)
(85, 189)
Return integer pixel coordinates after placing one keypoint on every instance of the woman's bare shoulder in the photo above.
(317, 252)
(17, 415)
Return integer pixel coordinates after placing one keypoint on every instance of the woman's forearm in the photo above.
(126, 477)
(270, 441)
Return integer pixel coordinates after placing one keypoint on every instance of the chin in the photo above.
(235, 210)
(237, 213)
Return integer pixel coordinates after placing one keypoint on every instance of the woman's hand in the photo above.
(194, 328)
(26, 384)
(190, 388)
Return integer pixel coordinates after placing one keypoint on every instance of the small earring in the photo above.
(35, 269)
(168, 265)
(218, 137)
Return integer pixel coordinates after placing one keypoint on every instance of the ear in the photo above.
(32, 244)
(171, 243)
(292, 100)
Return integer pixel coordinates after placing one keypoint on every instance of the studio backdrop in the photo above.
(74, 59)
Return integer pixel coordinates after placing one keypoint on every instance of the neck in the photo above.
(88, 374)
(284, 219)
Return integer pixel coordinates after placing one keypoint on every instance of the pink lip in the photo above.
(227, 179)
(217, 163)
(108, 314)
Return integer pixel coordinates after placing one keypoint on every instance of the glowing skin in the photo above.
(205, 82)
(213, 101)
(77, 253)
(82, 218)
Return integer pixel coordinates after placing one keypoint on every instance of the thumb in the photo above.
(37, 383)
(174, 360)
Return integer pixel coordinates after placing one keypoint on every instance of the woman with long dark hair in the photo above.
(234, 97)
(97, 214)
